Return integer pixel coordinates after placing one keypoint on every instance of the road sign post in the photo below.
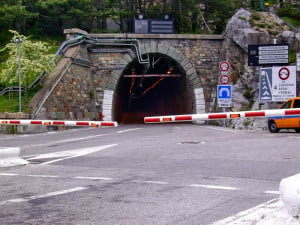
(224, 90)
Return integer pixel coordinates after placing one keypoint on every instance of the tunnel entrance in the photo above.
(158, 88)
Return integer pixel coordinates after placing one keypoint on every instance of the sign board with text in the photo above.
(277, 83)
(268, 55)
(298, 62)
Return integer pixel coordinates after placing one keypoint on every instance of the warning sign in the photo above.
(277, 83)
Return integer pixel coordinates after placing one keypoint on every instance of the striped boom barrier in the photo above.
(60, 123)
(225, 115)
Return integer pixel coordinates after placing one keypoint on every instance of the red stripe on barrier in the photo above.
(35, 122)
(152, 120)
(58, 123)
(183, 118)
(82, 123)
(4, 122)
(292, 112)
(217, 116)
(107, 124)
(14, 122)
(254, 114)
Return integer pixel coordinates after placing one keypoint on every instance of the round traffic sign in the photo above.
(224, 66)
(284, 73)
(224, 79)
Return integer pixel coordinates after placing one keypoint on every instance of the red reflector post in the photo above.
(217, 116)
(254, 114)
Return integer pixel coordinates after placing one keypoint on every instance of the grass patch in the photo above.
(289, 20)
(10, 102)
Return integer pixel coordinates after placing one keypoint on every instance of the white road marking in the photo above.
(214, 187)
(9, 174)
(43, 176)
(128, 130)
(93, 178)
(272, 192)
(154, 182)
(69, 154)
(47, 195)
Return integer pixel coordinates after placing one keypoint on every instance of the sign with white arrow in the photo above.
(277, 83)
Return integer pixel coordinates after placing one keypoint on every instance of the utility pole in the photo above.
(19, 40)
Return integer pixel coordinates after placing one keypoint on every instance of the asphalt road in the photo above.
(143, 174)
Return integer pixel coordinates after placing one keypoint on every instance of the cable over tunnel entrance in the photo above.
(158, 88)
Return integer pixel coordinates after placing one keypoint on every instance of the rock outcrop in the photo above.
(245, 28)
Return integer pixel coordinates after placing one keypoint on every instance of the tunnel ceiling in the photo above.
(158, 88)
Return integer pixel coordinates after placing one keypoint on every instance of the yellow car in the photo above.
(286, 122)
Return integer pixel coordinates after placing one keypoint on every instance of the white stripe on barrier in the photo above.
(60, 123)
(217, 116)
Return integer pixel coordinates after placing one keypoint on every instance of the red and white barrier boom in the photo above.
(227, 115)
(60, 123)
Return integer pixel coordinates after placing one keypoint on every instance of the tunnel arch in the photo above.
(180, 93)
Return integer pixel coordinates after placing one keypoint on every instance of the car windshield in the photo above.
(286, 105)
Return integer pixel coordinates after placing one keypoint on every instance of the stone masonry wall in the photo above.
(79, 95)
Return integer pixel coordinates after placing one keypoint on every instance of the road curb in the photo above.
(10, 156)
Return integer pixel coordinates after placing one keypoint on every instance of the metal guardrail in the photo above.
(11, 89)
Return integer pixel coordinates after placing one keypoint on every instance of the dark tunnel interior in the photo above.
(158, 88)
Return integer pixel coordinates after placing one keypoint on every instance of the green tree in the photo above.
(35, 59)
(13, 15)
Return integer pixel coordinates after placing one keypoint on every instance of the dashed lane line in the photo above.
(272, 192)
(154, 182)
(215, 187)
(47, 195)
(93, 178)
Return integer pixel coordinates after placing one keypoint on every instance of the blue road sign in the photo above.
(224, 91)
(265, 86)
(224, 95)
